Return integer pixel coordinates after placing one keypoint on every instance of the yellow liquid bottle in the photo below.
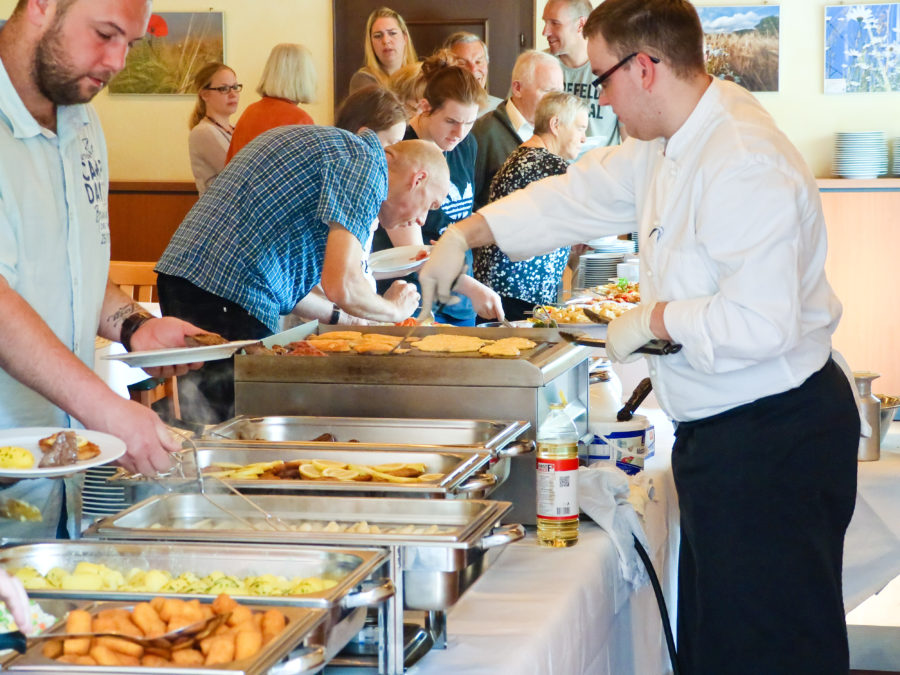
(557, 480)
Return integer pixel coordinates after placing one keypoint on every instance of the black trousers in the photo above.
(766, 492)
(207, 395)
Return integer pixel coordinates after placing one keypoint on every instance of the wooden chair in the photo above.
(138, 280)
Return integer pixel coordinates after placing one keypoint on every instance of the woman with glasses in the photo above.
(288, 79)
(218, 94)
(388, 47)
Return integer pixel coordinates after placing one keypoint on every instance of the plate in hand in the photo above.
(111, 448)
(175, 356)
(397, 262)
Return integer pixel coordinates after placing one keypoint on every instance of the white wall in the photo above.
(148, 134)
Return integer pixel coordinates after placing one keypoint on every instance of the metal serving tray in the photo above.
(457, 467)
(348, 567)
(302, 623)
(490, 435)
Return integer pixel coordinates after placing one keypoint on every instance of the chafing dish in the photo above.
(440, 386)
(462, 471)
(275, 658)
(350, 568)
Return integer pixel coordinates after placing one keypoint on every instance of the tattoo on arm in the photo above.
(117, 317)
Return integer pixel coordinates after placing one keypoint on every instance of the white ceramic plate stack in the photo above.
(861, 154)
(100, 499)
(612, 245)
(895, 152)
(595, 269)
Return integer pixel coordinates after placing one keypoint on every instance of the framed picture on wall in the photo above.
(741, 44)
(175, 47)
(862, 48)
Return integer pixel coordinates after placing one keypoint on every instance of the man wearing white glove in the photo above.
(733, 247)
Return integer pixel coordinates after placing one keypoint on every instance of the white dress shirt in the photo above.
(731, 235)
(524, 128)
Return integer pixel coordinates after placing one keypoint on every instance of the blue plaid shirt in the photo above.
(257, 235)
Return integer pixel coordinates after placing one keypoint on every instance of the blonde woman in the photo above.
(218, 95)
(288, 79)
(388, 47)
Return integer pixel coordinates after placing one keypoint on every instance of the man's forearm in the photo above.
(355, 296)
(476, 230)
(117, 306)
(33, 355)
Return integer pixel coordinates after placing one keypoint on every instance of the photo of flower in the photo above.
(176, 45)
(741, 44)
(862, 48)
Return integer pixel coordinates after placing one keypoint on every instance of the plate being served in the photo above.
(177, 355)
(398, 262)
(111, 448)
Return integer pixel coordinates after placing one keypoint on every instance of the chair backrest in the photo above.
(135, 278)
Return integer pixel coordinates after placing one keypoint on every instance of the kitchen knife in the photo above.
(655, 347)
(294, 334)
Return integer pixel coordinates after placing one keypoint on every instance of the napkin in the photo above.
(613, 500)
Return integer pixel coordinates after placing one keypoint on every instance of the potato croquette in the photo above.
(247, 644)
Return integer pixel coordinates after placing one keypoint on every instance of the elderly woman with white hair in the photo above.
(288, 79)
(560, 123)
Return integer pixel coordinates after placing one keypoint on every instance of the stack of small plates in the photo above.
(895, 151)
(595, 269)
(612, 245)
(97, 497)
(861, 154)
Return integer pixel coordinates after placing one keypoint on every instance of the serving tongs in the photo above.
(175, 640)
(654, 347)
(198, 479)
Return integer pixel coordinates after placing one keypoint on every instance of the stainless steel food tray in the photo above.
(302, 623)
(348, 567)
(490, 435)
(176, 516)
(458, 468)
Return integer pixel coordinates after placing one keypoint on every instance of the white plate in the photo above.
(396, 262)
(111, 448)
(178, 355)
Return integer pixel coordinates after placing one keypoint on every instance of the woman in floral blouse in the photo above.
(559, 133)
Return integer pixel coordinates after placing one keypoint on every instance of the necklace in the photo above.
(221, 126)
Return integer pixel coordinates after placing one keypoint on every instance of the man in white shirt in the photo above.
(55, 55)
(733, 246)
(563, 22)
(502, 130)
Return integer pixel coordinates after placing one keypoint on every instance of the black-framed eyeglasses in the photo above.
(225, 88)
(603, 77)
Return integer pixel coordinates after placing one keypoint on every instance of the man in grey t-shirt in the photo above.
(563, 20)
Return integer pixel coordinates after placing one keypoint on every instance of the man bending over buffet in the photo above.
(293, 208)
(733, 244)
(55, 297)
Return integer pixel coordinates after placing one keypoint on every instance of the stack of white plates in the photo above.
(97, 497)
(612, 245)
(861, 154)
(895, 151)
(595, 269)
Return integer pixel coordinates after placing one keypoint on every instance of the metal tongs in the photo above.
(199, 480)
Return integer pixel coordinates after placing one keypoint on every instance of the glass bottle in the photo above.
(557, 480)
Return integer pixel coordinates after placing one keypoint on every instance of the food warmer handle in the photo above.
(502, 536)
(515, 449)
(482, 481)
(307, 661)
(369, 597)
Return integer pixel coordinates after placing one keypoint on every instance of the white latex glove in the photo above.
(443, 266)
(629, 332)
(12, 592)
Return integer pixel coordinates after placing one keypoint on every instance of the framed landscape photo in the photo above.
(862, 48)
(741, 44)
(176, 46)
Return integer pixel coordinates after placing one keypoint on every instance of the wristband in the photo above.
(335, 315)
(130, 325)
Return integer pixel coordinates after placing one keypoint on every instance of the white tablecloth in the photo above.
(564, 611)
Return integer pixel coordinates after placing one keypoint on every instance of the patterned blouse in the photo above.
(536, 279)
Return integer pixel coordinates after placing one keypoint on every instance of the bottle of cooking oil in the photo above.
(557, 484)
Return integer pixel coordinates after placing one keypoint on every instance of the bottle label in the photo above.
(557, 489)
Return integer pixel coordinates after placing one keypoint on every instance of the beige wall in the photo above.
(148, 134)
